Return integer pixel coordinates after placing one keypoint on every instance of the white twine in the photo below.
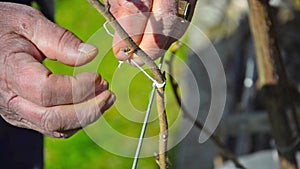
(143, 131)
(155, 83)
(120, 64)
(107, 30)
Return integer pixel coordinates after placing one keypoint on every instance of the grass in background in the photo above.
(80, 151)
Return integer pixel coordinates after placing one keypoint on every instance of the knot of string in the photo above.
(155, 83)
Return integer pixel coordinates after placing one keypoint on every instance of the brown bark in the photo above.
(273, 82)
(159, 77)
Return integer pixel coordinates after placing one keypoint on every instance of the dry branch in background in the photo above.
(216, 140)
(159, 77)
(273, 83)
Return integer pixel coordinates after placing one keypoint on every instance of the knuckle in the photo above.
(95, 113)
(51, 120)
(143, 6)
(27, 19)
(11, 102)
(44, 93)
(66, 37)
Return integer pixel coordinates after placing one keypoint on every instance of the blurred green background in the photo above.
(80, 151)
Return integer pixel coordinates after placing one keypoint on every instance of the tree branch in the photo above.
(105, 11)
(159, 77)
(274, 83)
(216, 139)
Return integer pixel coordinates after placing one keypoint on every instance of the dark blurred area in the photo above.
(45, 6)
(245, 125)
(22, 148)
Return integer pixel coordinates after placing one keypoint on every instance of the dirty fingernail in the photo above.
(122, 56)
(98, 79)
(87, 49)
(102, 86)
(109, 103)
(112, 99)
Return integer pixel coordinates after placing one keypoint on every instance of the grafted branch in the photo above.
(105, 11)
(159, 77)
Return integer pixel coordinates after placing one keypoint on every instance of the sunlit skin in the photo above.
(153, 25)
(31, 96)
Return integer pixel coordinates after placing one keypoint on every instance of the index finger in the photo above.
(133, 16)
(30, 79)
(163, 28)
(59, 121)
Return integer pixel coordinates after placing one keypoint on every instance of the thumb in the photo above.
(53, 41)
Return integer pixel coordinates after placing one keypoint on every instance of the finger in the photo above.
(78, 115)
(53, 41)
(19, 121)
(163, 28)
(14, 43)
(12, 117)
(60, 121)
(132, 15)
(31, 80)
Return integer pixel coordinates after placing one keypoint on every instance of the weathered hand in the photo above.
(153, 24)
(30, 95)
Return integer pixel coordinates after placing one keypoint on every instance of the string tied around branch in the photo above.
(155, 83)
(107, 30)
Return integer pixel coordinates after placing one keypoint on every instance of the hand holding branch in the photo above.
(146, 29)
(30, 95)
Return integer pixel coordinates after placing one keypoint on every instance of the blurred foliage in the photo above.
(80, 151)
(219, 18)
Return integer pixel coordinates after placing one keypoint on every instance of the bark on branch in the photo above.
(159, 77)
(274, 83)
(216, 139)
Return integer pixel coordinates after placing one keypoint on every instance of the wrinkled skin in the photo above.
(30, 95)
(153, 25)
(58, 105)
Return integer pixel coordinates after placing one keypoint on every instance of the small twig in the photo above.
(159, 77)
(223, 150)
